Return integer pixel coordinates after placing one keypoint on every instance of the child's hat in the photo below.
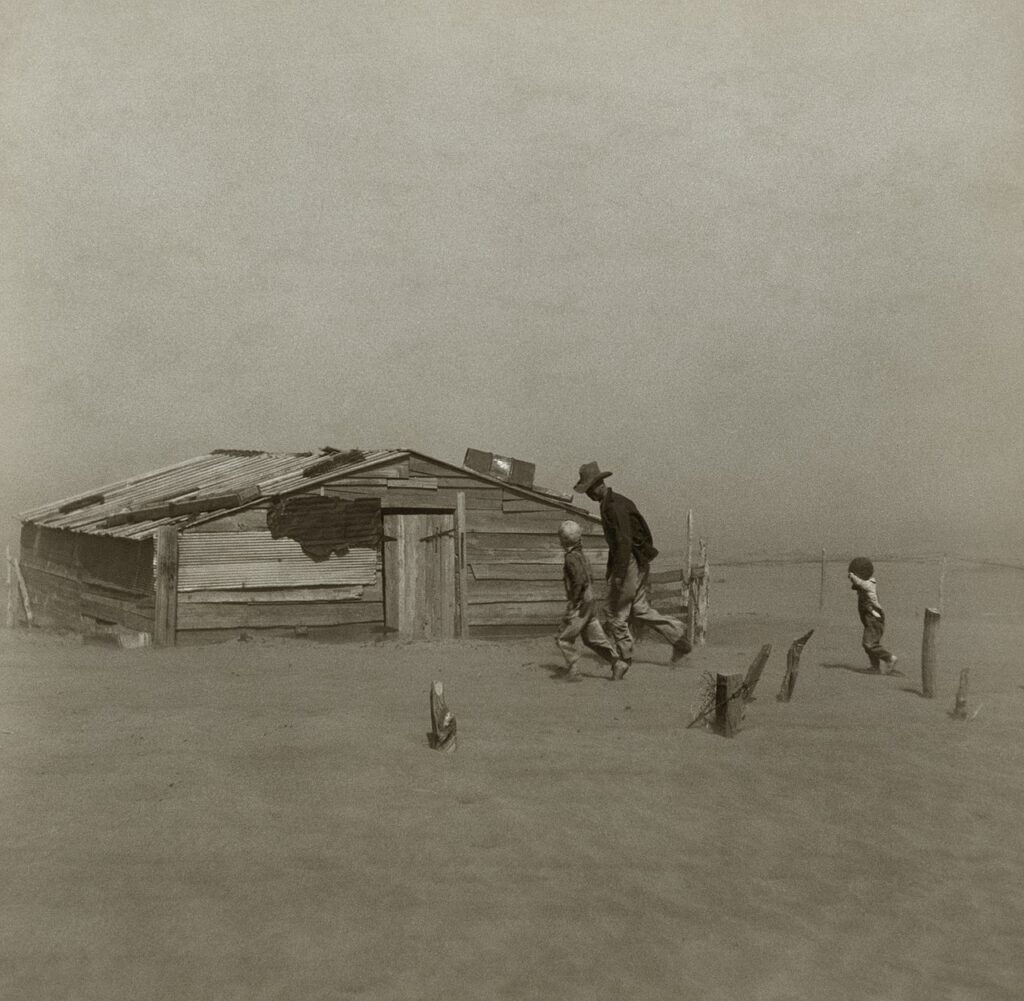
(570, 531)
(861, 567)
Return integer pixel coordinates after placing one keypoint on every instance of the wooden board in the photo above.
(419, 574)
(514, 613)
(489, 592)
(129, 614)
(352, 632)
(414, 483)
(528, 523)
(254, 519)
(257, 616)
(271, 596)
(515, 504)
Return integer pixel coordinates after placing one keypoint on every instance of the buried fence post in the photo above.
(928, 652)
(728, 703)
(792, 666)
(697, 615)
(960, 708)
(442, 722)
(754, 672)
(10, 592)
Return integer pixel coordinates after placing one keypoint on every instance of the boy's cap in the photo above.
(570, 531)
(861, 566)
(590, 473)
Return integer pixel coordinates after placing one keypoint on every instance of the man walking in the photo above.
(630, 552)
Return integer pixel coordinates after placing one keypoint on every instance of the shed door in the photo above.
(419, 574)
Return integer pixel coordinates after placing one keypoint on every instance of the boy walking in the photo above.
(580, 619)
(861, 572)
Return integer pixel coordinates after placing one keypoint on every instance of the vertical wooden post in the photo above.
(26, 601)
(728, 703)
(942, 584)
(699, 587)
(461, 582)
(960, 708)
(165, 623)
(928, 652)
(10, 591)
(688, 556)
(442, 736)
(821, 591)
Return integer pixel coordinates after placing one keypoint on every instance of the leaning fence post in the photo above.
(960, 708)
(442, 721)
(10, 592)
(928, 652)
(792, 666)
(754, 672)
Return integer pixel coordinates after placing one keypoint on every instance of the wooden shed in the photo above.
(337, 544)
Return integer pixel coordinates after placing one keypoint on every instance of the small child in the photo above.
(861, 572)
(580, 620)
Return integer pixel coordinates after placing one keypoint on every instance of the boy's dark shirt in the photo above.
(626, 533)
(575, 575)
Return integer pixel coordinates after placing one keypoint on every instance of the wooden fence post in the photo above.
(821, 591)
(928, 652)
(461, 599)
(728, 703)
(165, 622)
(442, 736)
(960, 708)
(697, 615)
(754, 672)
(26, 601)
(687, 560)
(792, 666)
(10, 591)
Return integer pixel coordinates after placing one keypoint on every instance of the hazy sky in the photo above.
(762, 260)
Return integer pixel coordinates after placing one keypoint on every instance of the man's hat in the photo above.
(590, 474)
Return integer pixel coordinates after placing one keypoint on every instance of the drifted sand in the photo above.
(264, 820)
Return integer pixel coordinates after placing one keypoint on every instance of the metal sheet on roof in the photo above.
(217, 472)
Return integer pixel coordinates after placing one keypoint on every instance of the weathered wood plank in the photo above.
(462, 574)
(526, 522)
(542, 543)
(414, 483)
(514, 613)
(550, 571)
(491, 591)
(126, 613)
(166, 615)
(512, 504)
(238, 616)
(302, 595)
(254, 519)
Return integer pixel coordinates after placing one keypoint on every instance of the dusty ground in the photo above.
(264, 820)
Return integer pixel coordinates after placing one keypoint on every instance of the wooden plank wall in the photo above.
(76, 582)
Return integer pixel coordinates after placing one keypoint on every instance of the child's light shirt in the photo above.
(867, 596)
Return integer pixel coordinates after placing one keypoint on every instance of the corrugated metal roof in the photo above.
(248, 473)
(211, 475)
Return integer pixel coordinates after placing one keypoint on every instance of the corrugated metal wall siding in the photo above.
(255, 559)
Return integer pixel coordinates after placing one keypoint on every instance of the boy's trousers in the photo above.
(631, 600)
(872, 641)
(580, 623)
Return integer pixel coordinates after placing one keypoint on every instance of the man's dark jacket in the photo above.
(626, 533)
